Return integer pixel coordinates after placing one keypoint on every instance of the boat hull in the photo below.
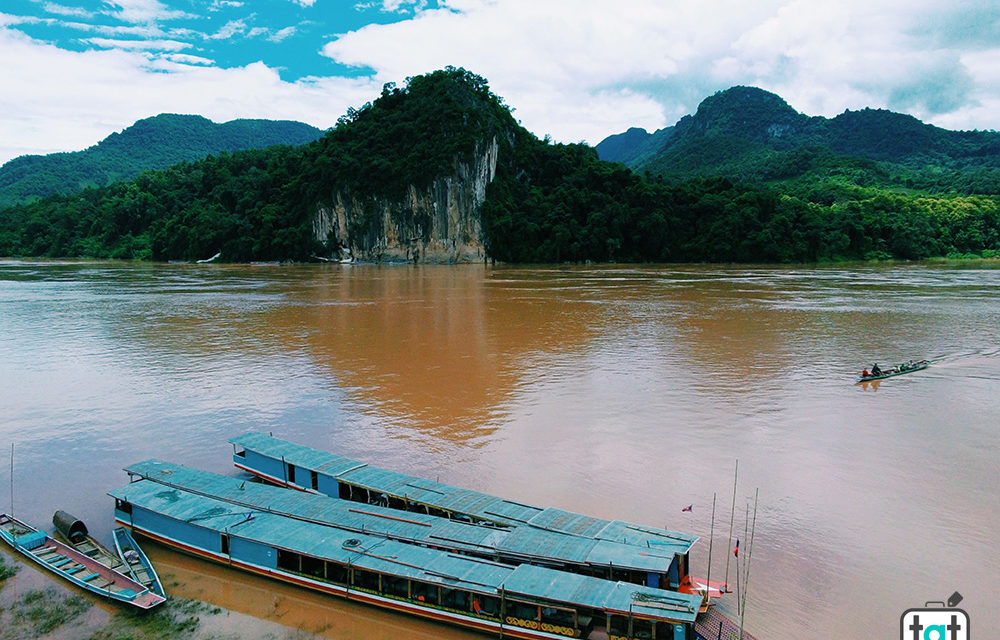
(74, 567)
(486, 626)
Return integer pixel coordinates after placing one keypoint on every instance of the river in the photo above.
(624, 392)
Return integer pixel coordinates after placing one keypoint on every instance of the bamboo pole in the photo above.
(732, 513)
(746, 578)
(711, 539)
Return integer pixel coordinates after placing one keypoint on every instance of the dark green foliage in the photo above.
(6, 570)
(746, 179)
(152, 143)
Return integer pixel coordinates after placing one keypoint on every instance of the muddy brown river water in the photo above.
(624, 392)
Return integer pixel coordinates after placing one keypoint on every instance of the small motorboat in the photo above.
(906, 367)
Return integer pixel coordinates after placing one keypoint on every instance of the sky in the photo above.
(75, 71)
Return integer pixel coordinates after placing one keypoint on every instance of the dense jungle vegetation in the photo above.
(746, 179)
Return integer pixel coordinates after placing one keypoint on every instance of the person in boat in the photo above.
(865, 374)
(875, 370)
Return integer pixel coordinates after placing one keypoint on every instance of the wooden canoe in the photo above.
(139, 566)
(69, 564)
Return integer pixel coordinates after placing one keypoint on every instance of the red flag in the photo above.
(736, 551)
(688, 508)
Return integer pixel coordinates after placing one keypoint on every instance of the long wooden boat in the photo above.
(139, 566)
(69, 564)
(908, 367)
(524, 601)
(310, 470)
(651, 566)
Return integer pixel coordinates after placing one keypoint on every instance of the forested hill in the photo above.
(439, 169)
(751, 135)
(151, 143)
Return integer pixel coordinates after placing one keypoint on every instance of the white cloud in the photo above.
(139, 45)
(221, 4)
(281, 34)
(589, 68)
(62, 10)
(142, 11)
(8, 20)
(185, 58)
(229, 29)
(305, 3)
(58, 100)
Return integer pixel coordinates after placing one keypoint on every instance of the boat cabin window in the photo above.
(455, 599)
(423, 592)
(314, 477)
(642, 628)
(289, 561)
(336, 573)
(394, 586)
(291, 473)
(522, 610)
(365, 579)
(239, 452)
(313, 567)
(123, 506)
(486, 605)
(344, 490)
(225, 544)
(618, 625)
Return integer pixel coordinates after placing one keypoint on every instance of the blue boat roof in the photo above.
(402, 559)
(473, 503)
(523, 542)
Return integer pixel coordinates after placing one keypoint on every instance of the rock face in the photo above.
(437, 224)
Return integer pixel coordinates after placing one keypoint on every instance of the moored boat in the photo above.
(524, 601)
(74, 533)
(650, 566)
(139, 566)
(73, 566)
(906, 367)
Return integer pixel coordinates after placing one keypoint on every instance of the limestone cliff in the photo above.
(438, 224)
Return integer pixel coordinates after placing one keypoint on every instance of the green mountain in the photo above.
(751, 135)
(152, 143)
(634, 147)
(439, 170)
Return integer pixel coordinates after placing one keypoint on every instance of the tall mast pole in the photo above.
(746, 578)
(732, 514)
(711, 539)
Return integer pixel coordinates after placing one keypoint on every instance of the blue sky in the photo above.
(76, 71)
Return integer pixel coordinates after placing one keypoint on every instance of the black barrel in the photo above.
(67, 524)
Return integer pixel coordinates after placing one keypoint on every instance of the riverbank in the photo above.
(33, 606)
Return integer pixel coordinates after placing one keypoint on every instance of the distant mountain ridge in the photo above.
(440, 171)
(150, 143)
(750, 134)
